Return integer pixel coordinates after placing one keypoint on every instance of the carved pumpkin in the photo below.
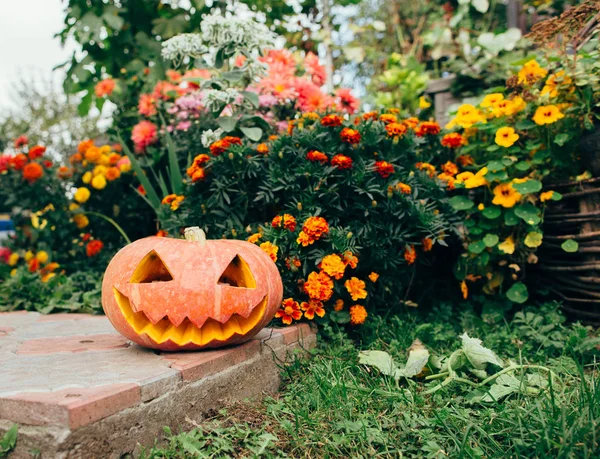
(186, 294)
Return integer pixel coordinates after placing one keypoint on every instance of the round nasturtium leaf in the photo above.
(518, 293)
(534, 239)
(490, 240)
(570, 246)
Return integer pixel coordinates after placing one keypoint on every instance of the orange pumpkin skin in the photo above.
(175, 294)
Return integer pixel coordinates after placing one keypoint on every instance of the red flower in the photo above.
(32, 172)
(147, 105)
(453, 140)
(105, 87)
(21, 141)
(351, 136)
(221, 146)
(427, 127)
(18, 162)
(290, 310)
(311, 308)
(342, 162)
(317, 156)
(331, 120)
(141, 190)
(36, 152)
(94, 247)
(384, 168)
(143, 135)
(86, 237)
(47, 164)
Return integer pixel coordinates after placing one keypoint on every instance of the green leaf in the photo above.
(570, 246)
(84, 106)
(561, 139)
(530, 186)
(518, 293)
(524, 125)
(175, 176)
(232, 76)
(113, 20)
(418, 357)
(529, 213)
(491, 212)
(556, 196)
(227, 123)
(461, 203)
(478, 355)
(510, 219)
(253, 133)
(380, 360)
(522, 166)
(534, 239)
(490, 240)
(495, 166)
(151, 194)
(340, 317)
(9, 440)
(251, 97)
(504, 385)
(476, 247)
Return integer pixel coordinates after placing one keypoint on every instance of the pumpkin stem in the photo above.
(195, 234)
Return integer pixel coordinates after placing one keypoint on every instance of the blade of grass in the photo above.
(174, 172)
(153, 197)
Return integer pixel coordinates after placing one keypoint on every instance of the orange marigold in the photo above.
(33, 172)
(388, 118)
(18, 162)
(331, 120)
(350, 259)
(384, 168)
(290, 310)
(339, 305)
(427, 128)
(161, 233)
(262, 148)
(453, 140)
(319, 286)
(358, 314)
(84, 145)
(270, 249)
(351, 136)
(427, 244)
(317, 156)
(373, 277)
(403, 188)
(370, 116)
(430, 169)
(356, 288)
(36, 152)
(311, 308)
(304, 239)
(411, 122)
(396, 129)
(315, 227)
(341, 162)
(333, 266)
(113, 173)
(450, 168)
(410, 254)
(94, 247)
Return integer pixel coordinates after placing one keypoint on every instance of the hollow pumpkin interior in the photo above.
(152, 269)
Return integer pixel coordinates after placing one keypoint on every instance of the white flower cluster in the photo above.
(213, 98)
(209, 137)
(183, 45)
(244, 32)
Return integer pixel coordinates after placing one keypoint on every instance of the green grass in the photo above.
(330, 406)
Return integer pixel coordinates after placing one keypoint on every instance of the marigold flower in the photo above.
(64, 172)
(351, 136)
(288, 221)
(114, 158)
(333, 266)
(547, 114)
(373, 277)
(546, 195)
(338, 305)
(33, 172)
(465, 160)
(13, 259)
(427, 128)
(255, 237)
(147, 105)
(395, 129)
(99, 182)
(411, 122)
(196, 173)
(429, 168)
(262, 148)
(173, 200)
(311, 308)
(315, 227)
(221, 146)
(33, 265)
(75, 158)
(384, 168)
(358, 314)
(304, 239)
(317, 156)
(143, 135)
(506, 137)
(464, 289)
(319, 286)
(331, 120)
(81, 221)
(29, 255)
(290, 310)
(450, 168)
(294, 263)
(403, 188)
(410, 254)
(427, 244)
(341, 162)
(388, 118)
(36, 152)
(105, 87)
(161, 233)
(350, 259)
(531, 72)
(356, 288)
(18, 162)
(84, 145)
(370, 116)
(113, 173)
(94, 247)
(453, 140)
(505, 195)
(124, 165)
(42, 256)
(92, 154)
(270, 249)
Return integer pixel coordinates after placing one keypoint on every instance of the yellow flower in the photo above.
(46, 277)
(42, 256)
(358, 314)
(547, 114)
(255, 237)
(373, 277)
(87, 177)
(504, 107)
(424, 103)
(471, 180)
(546, 195)
(82, 195)
(466, 116)
(356, 288)
(28, 255)
(81, 221)
(481, 206)
(505, 195)
(99, 170)
(13, 259)
(464, 289)
(506, 137)
(104, 160)
(13, 272)
(531, 72)
(73, 206)
(125, 167)
(551, 86)
(491, 99)
(270, 249)
(508, 246)
(518, 103)
(99, 182)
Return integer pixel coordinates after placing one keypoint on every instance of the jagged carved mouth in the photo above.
(187, 332)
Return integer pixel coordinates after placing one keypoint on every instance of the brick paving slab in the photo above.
(79, 389)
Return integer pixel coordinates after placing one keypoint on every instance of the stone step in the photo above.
(78, 389)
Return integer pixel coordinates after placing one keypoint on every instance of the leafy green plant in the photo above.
(8, 441)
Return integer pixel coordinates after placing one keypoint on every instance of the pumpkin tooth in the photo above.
(188, 335)
(231, 327)
(249, 323)
(211, 331)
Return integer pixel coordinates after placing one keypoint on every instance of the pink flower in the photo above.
(315, 69)
(240, 59)
(144, 134)
(310, 96)
(5, 253)
(183, 125)
(123, 161)
(105, 87)
(345, 101)
(282, 58)
(195, 73)
(267, 100)
(21, 141)
(4, 162)
(147, 105)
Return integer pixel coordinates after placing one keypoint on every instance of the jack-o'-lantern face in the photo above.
(173, 294)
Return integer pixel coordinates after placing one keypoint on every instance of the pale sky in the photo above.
(27, 46)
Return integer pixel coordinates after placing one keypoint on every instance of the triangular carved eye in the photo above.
(151, 269)
(238, 274)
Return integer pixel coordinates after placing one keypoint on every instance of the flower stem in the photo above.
(112, 222)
